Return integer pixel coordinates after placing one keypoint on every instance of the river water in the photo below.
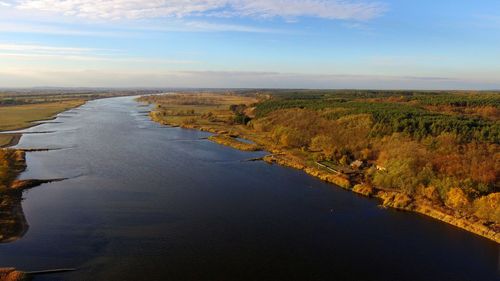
(147, 202)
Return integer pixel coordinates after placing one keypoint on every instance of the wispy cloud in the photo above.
(40, 52)
(182, 25)
(129, 31)
(43, 49)
(216, 27)
(40, 28)
(139, 9)
(343, 10)
(60, 57)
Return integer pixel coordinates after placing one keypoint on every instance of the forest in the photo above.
(443, 146)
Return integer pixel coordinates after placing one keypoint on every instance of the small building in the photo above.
(357, 164)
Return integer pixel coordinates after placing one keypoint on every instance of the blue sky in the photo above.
(384, 44)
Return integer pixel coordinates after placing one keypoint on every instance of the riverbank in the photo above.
(232, 142)
(11, 274)
(13, 224)
(13, 162)
(8, 140)
(18, 117)
(389, 199)
(396, 200)
(12, 220)
(226, 133)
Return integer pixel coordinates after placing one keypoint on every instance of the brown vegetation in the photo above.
(10, 274)
(486, 112)
(12, 163)
(233, 142)
(411, 158)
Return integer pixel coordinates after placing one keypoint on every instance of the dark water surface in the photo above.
(145, 202)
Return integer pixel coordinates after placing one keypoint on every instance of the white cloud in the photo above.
(129, 31)
(88, 58)
(140, 9)
(42, 49)
(345, 10)
(9, 27)
(35, 51)
(215, 27)
(4, 4)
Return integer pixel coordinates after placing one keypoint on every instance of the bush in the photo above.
(457, 199)
(241, 119)
(431, 193)
(488, 207)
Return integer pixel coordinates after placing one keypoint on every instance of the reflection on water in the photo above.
(13, 223)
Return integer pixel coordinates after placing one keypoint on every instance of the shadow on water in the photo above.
(13, 224)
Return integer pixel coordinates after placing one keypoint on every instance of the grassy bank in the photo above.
(233, 142)
(432, 153)
(7, 140)
(16, 117)
(12, 163)
(22, 116)
(13, 223)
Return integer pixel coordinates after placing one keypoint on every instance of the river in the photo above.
(147, 202)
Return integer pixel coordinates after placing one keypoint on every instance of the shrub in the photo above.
(457, 199)
(431, 193)
(241, 119)
(488, 207)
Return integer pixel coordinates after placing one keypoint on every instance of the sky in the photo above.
(362, 44)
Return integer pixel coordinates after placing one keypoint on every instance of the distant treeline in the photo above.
(19, 97)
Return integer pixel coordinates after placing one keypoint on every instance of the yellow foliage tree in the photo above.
(488, 207)
(457, 199)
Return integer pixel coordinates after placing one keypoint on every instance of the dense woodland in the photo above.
(443, 146)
